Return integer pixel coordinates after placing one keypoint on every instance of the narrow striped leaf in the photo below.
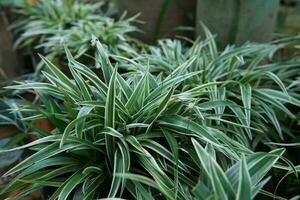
(244, 189)
(109, 120)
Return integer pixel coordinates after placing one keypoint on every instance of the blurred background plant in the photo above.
(48, 26)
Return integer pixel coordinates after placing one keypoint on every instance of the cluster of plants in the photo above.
(49, 25)
(179, 120)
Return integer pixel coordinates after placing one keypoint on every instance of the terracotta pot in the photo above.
(7, 131)
(43, 124)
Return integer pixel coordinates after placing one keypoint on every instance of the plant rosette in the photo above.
(140, 137)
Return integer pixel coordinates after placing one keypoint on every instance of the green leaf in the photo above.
(218, 178)
(109, 120)
(172, 143)
(246, 98)
(118, 170)
(102, 58)
(81, 124)
(258, 166)
(244, 189)
(144, 180)
(73, 124)
(277, 80)
(161, 108)
(81, 84)
(61, 76)
(217, 182)
(70, 185)
(132, 102)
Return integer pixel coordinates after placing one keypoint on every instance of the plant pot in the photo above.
(238, 21)
(43, 124)
(161, 17)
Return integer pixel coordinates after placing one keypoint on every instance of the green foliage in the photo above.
(49, 25)
(7, 114)
(178, 120)
(186, 133)
(247, 86)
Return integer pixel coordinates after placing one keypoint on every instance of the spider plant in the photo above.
(49, 25)
(11, 118)
(138, 138)
(259, 90)
(10, 101)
